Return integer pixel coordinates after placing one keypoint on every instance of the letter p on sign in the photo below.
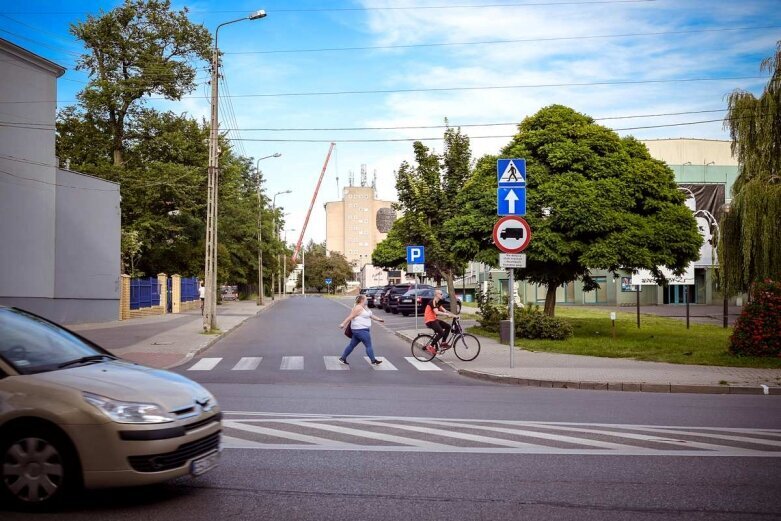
(415, 255)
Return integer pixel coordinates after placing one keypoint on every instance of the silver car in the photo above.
(73, 415)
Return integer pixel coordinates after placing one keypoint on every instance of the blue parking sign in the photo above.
(415, 255)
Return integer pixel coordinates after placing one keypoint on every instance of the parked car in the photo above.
(372, 294)
(72, 415)
(229, 292)
(381, 299)
(395, 293)
(422, 297)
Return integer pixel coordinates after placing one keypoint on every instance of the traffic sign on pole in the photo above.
(512, 234)
(415, 255)
(511, 172)
(511, 201)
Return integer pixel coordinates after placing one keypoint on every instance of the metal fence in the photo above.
(144, 293)
(189, 289)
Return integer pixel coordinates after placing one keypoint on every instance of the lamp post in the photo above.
(260, 234)
(274, 217)
(210, 267)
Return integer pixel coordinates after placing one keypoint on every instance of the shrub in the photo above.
(491, 312)
(531, 322)
(757, 331)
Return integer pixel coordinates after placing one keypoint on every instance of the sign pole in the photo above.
(639, 288)
(686, 297)
(512, 316)
(415, 303)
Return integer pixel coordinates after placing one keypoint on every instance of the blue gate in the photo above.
(189, 291)
(144, 293)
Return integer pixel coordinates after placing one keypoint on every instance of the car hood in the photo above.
(130, 382)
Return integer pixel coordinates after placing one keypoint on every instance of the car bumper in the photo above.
(114, 455)
(409, 307)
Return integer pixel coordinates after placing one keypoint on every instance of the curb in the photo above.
(623, 386)
(613, 386)
(195, 352)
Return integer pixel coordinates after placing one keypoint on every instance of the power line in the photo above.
(383, 140)
(462, 125)
(451, 89)
(494, 42)
(389, 8)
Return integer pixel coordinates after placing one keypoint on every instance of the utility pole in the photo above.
(261, 290)
(212, 192)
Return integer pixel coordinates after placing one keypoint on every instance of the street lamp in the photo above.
(274, 217)
(260, 234)
(210, 268)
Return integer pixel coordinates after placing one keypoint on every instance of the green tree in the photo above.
(749, 249)
(138, 49)
(427, 195)
(608, 205)
(320, 266)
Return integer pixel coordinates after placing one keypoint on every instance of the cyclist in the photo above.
(430, 316)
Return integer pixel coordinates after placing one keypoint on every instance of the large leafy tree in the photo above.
(320, 265)
(594, 201)
(749, 248)
(138, 49)
(427, 192)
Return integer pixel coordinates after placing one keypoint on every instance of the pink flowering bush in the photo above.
(758, 328)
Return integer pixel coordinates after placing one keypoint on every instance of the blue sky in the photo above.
(433, 60)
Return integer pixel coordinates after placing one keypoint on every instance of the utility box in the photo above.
(504, 331)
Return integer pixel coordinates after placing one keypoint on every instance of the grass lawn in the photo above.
(659, 339)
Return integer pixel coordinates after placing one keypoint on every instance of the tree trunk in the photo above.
(451, 290)
(550, 300)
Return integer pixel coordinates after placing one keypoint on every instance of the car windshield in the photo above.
(32, 345)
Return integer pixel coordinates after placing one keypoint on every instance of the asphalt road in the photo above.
(303, 440)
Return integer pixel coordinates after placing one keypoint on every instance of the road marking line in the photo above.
(447, 434)
(716, 436)
(422, 366)
(292, 363)
(650, 438)
(402, 440)
(534, 434)
(384, 366)
(205, 364)
(248, 363)
(332, 363)
(304, 438)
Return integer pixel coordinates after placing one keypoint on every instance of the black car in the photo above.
(381, 298)
(406, 305)
(372, 294)
(395, 293)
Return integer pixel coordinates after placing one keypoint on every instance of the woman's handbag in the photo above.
(348, 331)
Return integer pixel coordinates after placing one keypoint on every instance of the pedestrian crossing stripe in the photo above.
(205, 364)
(259, 430)
(292, 363)
(248, 363)
(296, 363)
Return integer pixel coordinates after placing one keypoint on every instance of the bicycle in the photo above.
(465, 346)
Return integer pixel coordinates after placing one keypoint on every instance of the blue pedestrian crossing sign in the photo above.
(511, 172)
(415, 255)
(511, 201)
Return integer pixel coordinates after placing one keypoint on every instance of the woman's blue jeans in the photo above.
(360, 335)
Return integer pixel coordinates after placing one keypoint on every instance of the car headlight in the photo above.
(128, 412)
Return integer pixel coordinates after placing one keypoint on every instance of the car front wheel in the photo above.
(38, 467)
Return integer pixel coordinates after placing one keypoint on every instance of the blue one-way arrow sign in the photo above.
(511, 201)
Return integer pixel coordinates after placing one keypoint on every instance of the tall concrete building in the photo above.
(356, 224)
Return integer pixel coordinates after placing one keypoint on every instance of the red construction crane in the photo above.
(312, 204)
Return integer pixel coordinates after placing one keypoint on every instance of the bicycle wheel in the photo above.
(466, 347)
(419, 350)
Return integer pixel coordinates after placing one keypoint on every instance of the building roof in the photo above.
(31, 58)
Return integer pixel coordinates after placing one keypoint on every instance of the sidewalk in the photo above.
(539, 369)
(166, 341)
